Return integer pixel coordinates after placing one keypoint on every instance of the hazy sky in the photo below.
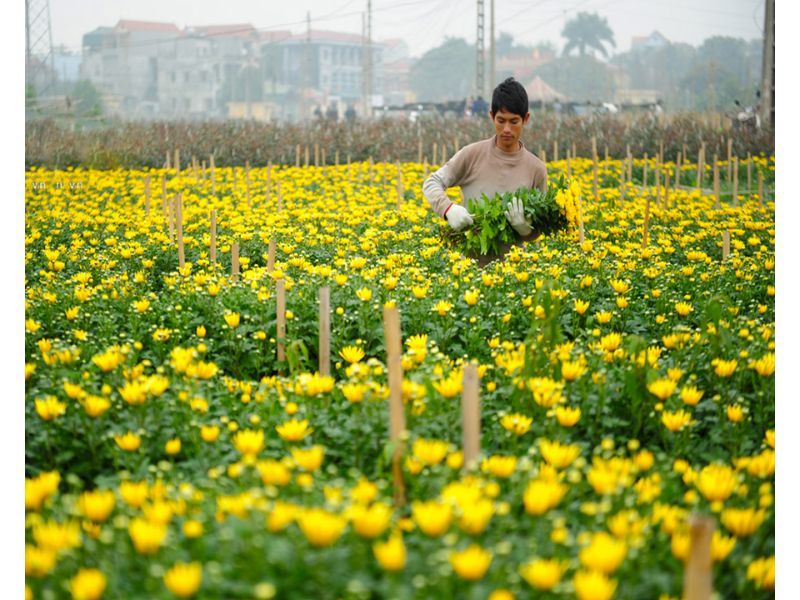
(424, 24)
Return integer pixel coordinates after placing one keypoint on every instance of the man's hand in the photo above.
(458, 217)
(516, 217)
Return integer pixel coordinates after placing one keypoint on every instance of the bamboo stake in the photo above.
(666, 190)
(735, 181)
(212, 251)
(325, 331)
(544, 155)
(280, 290)
(697, 579)
(397, 418)
(716, 183)
(760, 188)
(297, 155)
(177, 161)
(658, 182)
(147, 196)
(316, 154)
(169, 161)
(569, 166)
(726, 245)
(280, 197)
(247, 181)
(470, 417)
(574, 150)
(307, 156)
(269, 183)
(605, 154)
(730, 155)
(179, 223)
(678, 171)
(630, 168)
(171, 211)
(400, 191)
(594, 146)
(271, 256)
(235, 261)
(164, 196)
(701, 157)
(336, 158)
(555, 150)
(644, 172)
(419, 150)
(213, 175)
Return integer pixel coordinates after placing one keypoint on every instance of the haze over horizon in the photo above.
(424, 24)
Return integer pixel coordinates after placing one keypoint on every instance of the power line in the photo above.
(330, 17)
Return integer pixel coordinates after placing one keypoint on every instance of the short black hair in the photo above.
(511, 96)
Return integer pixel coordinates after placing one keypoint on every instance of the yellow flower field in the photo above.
(626, 383)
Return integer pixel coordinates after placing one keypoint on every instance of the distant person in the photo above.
(498, 164)
(332, 113)
(479, 107)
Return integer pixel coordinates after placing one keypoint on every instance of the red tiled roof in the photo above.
(241, 30)
(331, 36)
(129, 25)
(274, 36)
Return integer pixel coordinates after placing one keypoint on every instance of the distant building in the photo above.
(396, 67)
(654, 40)
(637, 97)
(122, 62)
(329, 63)
(66, 64)
(539, 91)
(155, 70)
(205, 68)
(521, 65)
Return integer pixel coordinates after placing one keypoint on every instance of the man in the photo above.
(496, 165)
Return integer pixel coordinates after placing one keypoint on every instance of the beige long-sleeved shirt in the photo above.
(482, 168)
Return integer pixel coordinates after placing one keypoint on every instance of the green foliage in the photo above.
(587, 31)
(490, 228)
(444, 72)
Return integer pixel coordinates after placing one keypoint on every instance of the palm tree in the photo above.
(587, 30)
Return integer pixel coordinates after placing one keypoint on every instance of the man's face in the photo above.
(508, 127)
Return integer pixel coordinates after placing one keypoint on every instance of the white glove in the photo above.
(516, 217)
(458, 217)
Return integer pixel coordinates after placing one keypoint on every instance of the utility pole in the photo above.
(368, 107)
(39, 61)
(479, 55)
(307, 61)
(493, 58)
(768, 66)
